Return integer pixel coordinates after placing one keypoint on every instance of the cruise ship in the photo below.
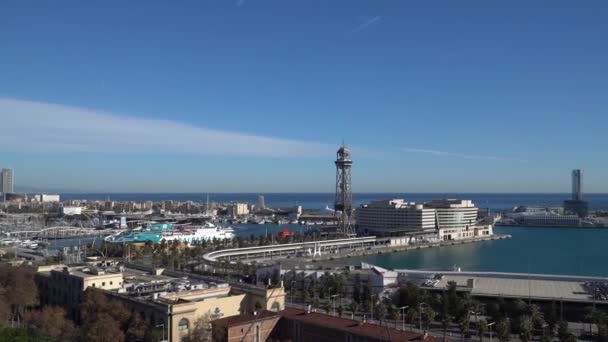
(157, 233)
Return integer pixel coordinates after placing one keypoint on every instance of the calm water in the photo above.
(536, 250)
(320, 200)
(573, 251)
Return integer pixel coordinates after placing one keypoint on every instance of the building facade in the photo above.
(170, 299)
(394, 217)
(238, 209)
(576, 205)
(7, 181)
(447, 219)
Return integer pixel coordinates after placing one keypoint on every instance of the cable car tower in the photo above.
(343, 204)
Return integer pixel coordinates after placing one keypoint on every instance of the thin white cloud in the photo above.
(51, 128)
(366, 24)
(240, 3)
(461, 155)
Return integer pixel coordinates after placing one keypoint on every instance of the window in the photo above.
(183, 324)
(103, 284)
(110, 283)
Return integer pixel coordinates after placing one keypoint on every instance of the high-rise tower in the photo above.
(344, 195)
(577, 190)
(576, 205)
(7, 181)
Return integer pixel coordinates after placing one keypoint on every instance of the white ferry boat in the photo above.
(167, 232)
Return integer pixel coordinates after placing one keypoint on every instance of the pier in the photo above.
(331, 249)
(52, 233)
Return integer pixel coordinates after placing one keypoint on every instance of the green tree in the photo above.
(366, 296)
(103, 329)
(380, 311)
(503, 330)
(353, 307)
(463, 324)
(482, 328)
(525, 328)
(21, 292)
(428, 315)
(357, 289)
(201, 330)
(51, 321)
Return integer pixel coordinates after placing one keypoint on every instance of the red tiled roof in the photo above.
(354, 327)
(244, 318)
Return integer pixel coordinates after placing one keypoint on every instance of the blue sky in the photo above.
(256, 96)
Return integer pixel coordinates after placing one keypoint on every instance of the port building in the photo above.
(446, 219)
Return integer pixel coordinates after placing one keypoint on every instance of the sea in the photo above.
(495, 201)
(570, 251)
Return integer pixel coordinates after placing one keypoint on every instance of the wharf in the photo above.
(405, 248)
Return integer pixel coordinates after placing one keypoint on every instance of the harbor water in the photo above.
(573, 251)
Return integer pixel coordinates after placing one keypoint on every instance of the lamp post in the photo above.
(420, 312)
(292, 282)
(403, 315)
(490, 326)
(163, 327)
(476, 320)
(333, 300)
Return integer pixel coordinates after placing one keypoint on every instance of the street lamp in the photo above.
(333, 300)
(163, 327)
(420, 309)
(292, 291)
(403, 315)
(490, 326)
(476, 320)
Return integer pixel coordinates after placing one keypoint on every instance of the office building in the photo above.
(261, 204)
(577, 191)
(448, 219)
(238, 209)
(7, 181)
(576, 205)
(48, 198)
(394, 217)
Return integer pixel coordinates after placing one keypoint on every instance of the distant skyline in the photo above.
(256, 96)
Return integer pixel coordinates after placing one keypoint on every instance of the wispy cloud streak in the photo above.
(51, 128)
(461, 155)
(240, 3)
(366, 24)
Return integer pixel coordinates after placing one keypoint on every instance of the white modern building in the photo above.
(448, 219)
(47, 198)
(394, 217)
(71, 210)
(457, 219)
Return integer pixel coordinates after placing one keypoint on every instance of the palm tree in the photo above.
(353, 306)
(503, 330)
(525, 328)
(463, 323)
(481, 329)
(428, 315)
(536, 316)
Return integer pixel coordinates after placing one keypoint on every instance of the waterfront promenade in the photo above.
(332, 249)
